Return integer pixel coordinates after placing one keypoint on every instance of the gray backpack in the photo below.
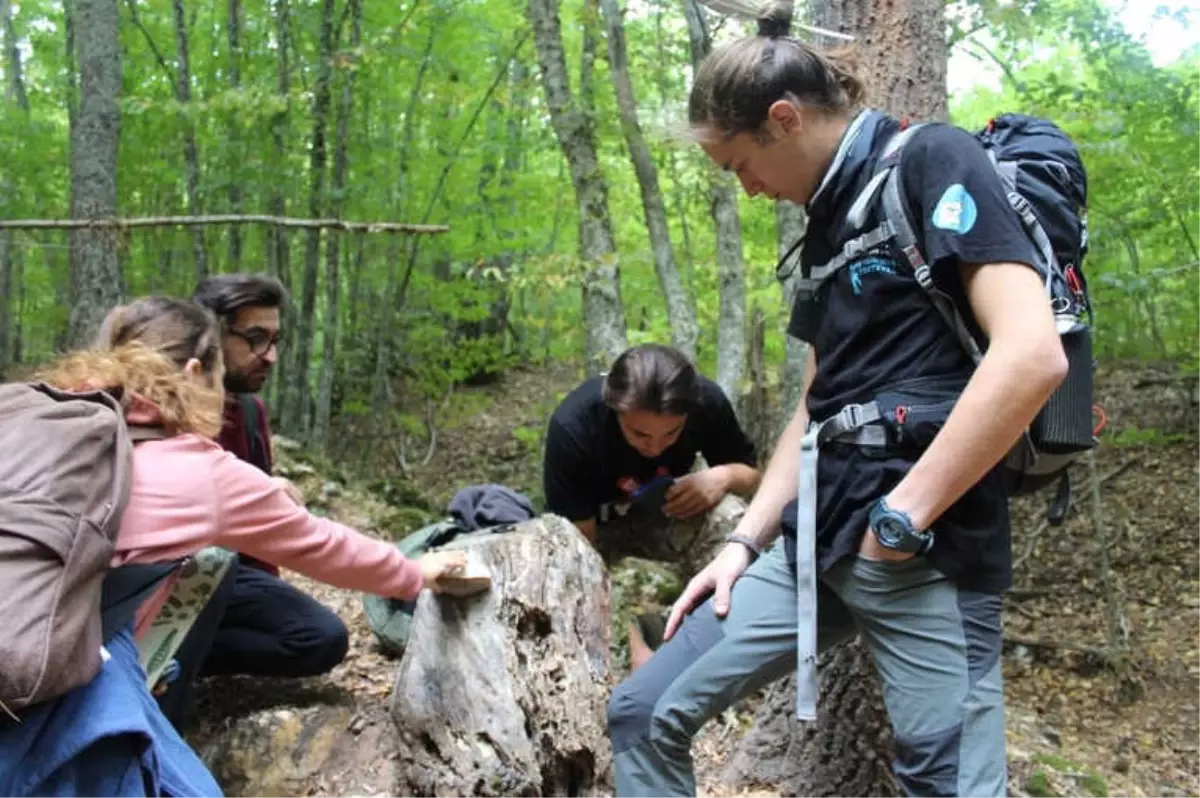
(64, 483)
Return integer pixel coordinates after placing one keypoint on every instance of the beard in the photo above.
(245, 383)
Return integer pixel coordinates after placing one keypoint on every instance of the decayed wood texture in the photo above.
(505, 693)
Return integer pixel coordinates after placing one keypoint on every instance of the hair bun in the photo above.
(773, 27)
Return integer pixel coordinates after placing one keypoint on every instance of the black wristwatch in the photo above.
(895, 531)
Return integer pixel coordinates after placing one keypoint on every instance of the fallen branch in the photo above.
(1174, 379)
(1023, 593)
(228, 218)
(1059, 645)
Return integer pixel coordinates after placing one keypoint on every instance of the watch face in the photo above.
(888, 532)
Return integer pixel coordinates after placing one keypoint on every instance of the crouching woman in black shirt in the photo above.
(617, 439)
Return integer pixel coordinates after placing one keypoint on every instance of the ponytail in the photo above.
(738, 82)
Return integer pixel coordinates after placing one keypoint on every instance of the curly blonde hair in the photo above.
(142, 348)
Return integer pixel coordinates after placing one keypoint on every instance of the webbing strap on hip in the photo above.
(856, 424)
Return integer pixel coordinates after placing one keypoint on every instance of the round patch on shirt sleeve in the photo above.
(955, 211)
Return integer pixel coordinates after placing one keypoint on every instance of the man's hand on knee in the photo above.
(717, 579)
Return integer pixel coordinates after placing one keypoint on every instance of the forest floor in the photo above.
(1081, 719)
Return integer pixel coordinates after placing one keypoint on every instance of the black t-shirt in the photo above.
(872, 325)
(588, 463)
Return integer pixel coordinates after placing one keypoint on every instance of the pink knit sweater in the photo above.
(189, 493)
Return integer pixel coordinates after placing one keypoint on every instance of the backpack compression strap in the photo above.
(858, 424)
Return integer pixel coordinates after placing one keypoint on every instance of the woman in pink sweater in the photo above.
(164, 357)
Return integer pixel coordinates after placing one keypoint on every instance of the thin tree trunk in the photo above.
(680, 313)
(10, 255)
(320, 433)
(95, 138)
(380, 383)
(278, 250)
(233, 31)
(191, 160)
(677, 196)
(603, 312)
(299, 385)
(731, 278)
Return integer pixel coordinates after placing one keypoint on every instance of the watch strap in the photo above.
(755, 549)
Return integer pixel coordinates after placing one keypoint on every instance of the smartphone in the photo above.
(653, 495)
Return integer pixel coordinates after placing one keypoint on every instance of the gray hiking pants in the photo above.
(936, 649)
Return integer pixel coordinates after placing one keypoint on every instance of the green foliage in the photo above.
(1084, 780)
(1134, 435)
(1137, 131)
(431, 140)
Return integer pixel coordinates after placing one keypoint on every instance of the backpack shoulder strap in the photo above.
(896, 215)
(856, 217)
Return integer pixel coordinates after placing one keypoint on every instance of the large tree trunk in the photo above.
(603, 311)
(848, 750)
(680, 313)
(900, 51)
(731, 278)
(191, 159)
(341, 163)
(505, 693)
(95, 137)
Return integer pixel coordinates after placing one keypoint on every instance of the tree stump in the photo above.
(846, 752)
(506, 692)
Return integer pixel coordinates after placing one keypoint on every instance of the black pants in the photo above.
(259, 625)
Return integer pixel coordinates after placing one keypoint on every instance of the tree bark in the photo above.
(505, 693)
(900, 51)
(731, 278)
(191, 159)
(337, 199)
(95, 137)
(603, 311)
(680, 313)
(848, 750)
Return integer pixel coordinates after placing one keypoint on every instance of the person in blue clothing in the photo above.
(907, 545)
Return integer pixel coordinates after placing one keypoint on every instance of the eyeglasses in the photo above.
(260, 341)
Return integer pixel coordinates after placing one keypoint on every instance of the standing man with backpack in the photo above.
(256, 623)
(883, 511)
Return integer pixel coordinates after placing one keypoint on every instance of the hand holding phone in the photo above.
(653, 494)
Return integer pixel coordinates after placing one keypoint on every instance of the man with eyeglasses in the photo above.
(255, 623)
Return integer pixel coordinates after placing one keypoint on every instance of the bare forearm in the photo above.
(999, 402)
(739, 478)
